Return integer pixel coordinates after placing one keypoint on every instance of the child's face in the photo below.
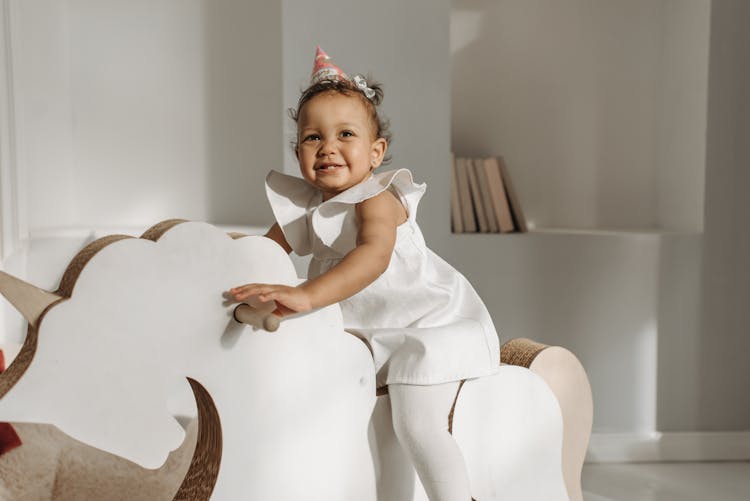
(337, 148)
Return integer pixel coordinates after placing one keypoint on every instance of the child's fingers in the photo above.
(235, 291)
(245, 287)
(246, 290)
(262, 291)
(241, 294)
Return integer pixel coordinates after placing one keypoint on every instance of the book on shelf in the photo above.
(500, 204)
(484, 190)
(515, 206)
(464, 196)
(483, 198)
(476, 196)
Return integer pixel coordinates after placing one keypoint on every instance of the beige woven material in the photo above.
(520, 351)
(157, 230)
(15, 370)
(201, 477)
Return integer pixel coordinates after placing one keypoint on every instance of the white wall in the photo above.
(134, 112)
(597, 107)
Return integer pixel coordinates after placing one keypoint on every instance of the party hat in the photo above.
(324, 69)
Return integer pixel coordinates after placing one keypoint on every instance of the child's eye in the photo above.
(311, 137)
(347, 133)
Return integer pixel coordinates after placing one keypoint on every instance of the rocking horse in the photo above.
(138, 323)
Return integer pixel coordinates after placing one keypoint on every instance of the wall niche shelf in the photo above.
(599, 111)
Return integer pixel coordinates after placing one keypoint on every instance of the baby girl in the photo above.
(425, 325)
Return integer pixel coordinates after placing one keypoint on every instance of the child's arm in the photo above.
(277, 236)
(377, 218)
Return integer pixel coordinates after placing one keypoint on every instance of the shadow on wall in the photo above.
(679, 314)
(725, 325)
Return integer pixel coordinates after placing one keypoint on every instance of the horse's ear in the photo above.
(29, 300)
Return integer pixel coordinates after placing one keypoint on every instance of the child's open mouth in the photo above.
(329, 167)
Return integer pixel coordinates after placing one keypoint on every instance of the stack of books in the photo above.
(483, 199)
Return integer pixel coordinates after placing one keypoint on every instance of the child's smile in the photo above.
(328, 168)
(336, 146)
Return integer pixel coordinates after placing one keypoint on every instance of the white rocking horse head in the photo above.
(134, 318)
(77, 377)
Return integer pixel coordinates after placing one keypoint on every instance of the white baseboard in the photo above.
(669, 446)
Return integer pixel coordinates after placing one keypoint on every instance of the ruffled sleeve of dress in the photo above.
(293, 200)
(334, 221)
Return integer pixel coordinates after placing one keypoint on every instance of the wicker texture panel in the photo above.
(201, 477)
(520, 351)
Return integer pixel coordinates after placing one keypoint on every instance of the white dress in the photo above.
(421, 319)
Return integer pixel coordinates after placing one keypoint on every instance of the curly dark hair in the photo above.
(380, 124)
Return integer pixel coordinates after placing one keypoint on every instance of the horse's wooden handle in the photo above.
(246, 314)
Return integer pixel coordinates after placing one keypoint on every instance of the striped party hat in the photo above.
(324, 69)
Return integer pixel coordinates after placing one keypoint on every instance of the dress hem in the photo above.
(440, 380)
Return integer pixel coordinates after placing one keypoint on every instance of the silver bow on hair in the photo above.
(361, 84)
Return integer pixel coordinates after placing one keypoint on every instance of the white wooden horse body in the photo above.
(298, 415)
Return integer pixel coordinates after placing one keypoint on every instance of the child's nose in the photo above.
(327, 147)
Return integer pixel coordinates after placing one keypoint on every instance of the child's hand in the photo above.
(289, 300)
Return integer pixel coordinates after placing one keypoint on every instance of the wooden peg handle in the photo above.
(246, 314)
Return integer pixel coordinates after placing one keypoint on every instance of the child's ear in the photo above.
(377, 152)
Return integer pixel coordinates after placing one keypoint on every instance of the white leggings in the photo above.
(420, 420)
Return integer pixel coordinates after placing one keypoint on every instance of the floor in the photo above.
(719, 481)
